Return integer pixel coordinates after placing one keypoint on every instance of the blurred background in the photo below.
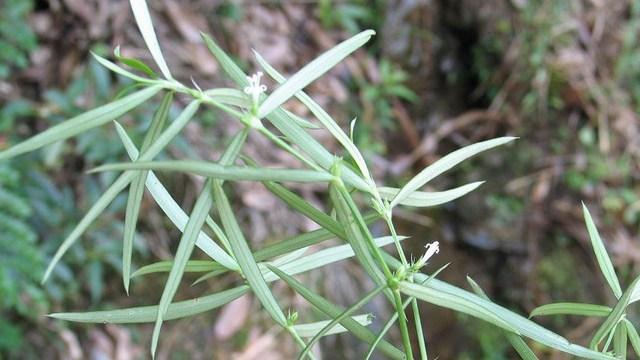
(564, 76)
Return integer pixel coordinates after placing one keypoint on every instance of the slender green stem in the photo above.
(402, 320)
(418, 323)
(394, 235)
(391, 279)
(414, 303)
(299, 341)
(386, 328)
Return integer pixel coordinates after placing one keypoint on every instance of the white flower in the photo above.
(255, 88)
(432, 249)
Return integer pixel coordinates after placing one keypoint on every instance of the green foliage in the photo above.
(21, 261)
(398, 280)
(614, 330)
(17, 40)
(351, 15)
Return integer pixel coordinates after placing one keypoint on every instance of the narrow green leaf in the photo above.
(120, 71)
(287, 258)
(189, 237)
(444, 164)
(620, 341)
(209, 275)
(188, 241)
(136, 190)
(324, 117)
(147, 314)
(233, 71)
(302, 206)
(282, 122)
(334, 311)
(524, 326)
(171, 208)
(427, 199)
(323, 257)
(302, 122)
(455, 303)
(634, 338)
(571, 309)
(165, 266)
(244, 256)
(305, 208)
(516, 341)
(185, 248)
(347, 313)
(606, 267)
(81, 123)
(294, 265)
(615, 316)
(96, 209)
(311, 329)
(312, 71)
(134, 63)
(121, 182)
(143, 20)
(355, 237)
(229, 96)
(302, 240)
(220, 172)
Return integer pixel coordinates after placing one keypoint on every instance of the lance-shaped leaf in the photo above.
(524, 326)
(294, 132)
(147, 314)
(134, 63)
(311, 329)
(444, 164)
(221, 172)
(568, 308)
(615, 316)
(355, 237)
(174, 212)
(229, 96)
(165, 266)
(427, 199)
(353, 308)
(96, 209)
(301, 205)
(312, 71)
(120, 71)
(81, 123)
(633, 336)
(323, 257)
(143, 19)
(453, 302)
(185, 248)
(327, 121)
(620, 341)
(189, 237)
(121, 182)
(334, 311)
(136, 190)
(516, 341)
(606, 267)
(244, 256)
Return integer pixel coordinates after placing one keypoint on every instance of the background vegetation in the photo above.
(561, 75)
